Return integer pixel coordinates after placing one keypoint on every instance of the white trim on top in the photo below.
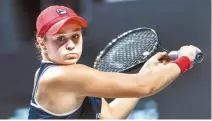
(46, 61)
(54, 114)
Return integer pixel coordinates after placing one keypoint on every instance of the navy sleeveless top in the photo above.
(89, 109)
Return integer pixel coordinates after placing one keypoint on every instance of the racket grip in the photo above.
(198, 58)
(173, 55)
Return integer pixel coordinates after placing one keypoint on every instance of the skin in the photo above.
(71, 82)
(65, 47)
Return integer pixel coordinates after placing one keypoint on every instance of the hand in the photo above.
(189, 51)
(155, 62)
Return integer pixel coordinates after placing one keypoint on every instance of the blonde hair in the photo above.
(37, 48)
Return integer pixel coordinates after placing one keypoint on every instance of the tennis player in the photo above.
(64, 89)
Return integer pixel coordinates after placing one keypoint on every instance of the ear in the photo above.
(41, 44)
(40, 41)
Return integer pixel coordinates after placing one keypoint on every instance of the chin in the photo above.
(70, 61)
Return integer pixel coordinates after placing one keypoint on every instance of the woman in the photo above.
(64, 89)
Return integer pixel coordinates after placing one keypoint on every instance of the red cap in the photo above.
(53, 18)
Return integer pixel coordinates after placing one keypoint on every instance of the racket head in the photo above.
(128, 50)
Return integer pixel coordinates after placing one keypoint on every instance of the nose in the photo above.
(70, 45)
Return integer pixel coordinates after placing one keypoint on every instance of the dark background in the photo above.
(177, 22)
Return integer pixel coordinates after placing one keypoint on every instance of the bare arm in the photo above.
(120, 108)
(162, 77)
(86, 81)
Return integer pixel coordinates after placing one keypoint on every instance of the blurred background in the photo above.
(177, 22)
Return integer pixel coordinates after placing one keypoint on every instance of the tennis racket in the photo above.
(131, 49)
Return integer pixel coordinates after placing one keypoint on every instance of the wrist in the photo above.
(183, 63)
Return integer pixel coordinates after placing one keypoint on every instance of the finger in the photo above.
(153, 61)
(197, 49)
(165, 59)
(159, 55)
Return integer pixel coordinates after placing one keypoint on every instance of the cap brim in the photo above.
(57, 26)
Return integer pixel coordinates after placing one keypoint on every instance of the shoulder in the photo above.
(59, 70)
(50, 74)
(55, 74)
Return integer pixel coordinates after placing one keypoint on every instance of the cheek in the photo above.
(80, 45)
(81, 42)
(54, 50)
(60, 51)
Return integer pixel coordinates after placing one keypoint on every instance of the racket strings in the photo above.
(128, 51)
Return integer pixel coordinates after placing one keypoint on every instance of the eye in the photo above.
(75, 36)
(61, 38)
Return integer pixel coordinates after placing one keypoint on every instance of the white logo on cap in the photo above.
(61, 11)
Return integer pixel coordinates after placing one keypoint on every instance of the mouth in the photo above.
(72, 56)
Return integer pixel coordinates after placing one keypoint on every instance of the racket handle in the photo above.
(198, 58)
(173, 55)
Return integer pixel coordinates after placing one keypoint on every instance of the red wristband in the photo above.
(183, 63)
